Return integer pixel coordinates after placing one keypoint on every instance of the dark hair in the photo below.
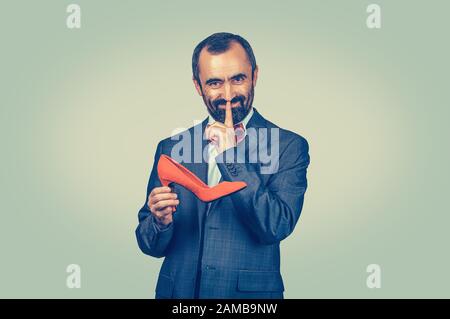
(219, 43)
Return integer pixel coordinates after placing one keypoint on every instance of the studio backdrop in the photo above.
(86, 99)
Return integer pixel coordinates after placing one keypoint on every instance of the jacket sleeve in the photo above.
(270, 210)
(152, 237)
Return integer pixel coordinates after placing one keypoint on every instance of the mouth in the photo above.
(233, 105)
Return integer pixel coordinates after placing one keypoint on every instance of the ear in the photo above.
(255, 76)
(197, 87)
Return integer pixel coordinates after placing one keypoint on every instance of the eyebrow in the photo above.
(239, 75)
(211, 80)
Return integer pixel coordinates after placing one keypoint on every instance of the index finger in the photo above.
(228, 115)
(159, 190)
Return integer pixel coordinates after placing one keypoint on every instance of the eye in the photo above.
(238, 79)
(214, 84)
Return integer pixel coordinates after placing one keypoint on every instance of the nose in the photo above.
(227, 92)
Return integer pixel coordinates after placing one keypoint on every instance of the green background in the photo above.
(82, 112)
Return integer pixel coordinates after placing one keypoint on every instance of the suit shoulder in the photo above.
(287, 134)
(289, 138)
(297, 140)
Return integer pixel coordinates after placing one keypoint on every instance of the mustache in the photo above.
(218, 102)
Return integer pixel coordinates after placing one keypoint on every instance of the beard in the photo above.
(238, 112)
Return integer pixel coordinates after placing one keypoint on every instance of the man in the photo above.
(228, 248)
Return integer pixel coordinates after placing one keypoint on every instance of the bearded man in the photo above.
(230, 247)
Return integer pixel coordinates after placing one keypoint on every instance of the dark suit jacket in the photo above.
(229, 248)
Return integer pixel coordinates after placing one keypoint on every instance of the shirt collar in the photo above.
(244, 121)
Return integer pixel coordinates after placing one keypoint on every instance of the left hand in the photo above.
(222, 134)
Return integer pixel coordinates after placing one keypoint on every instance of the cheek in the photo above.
(244, 89)
(211, 95)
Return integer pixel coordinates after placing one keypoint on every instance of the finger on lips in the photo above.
(228, 115)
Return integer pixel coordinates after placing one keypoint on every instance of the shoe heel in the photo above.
(165, 182)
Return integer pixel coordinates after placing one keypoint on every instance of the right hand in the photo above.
(162, 202)
(222, 134)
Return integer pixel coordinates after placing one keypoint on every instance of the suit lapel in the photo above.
(256, 120)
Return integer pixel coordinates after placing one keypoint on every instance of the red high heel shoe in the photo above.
(171, 171)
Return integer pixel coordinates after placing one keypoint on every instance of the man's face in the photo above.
(226, 77)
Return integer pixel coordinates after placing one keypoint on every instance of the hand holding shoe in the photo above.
(162, 202)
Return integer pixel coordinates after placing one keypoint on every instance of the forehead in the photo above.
(228, 63)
